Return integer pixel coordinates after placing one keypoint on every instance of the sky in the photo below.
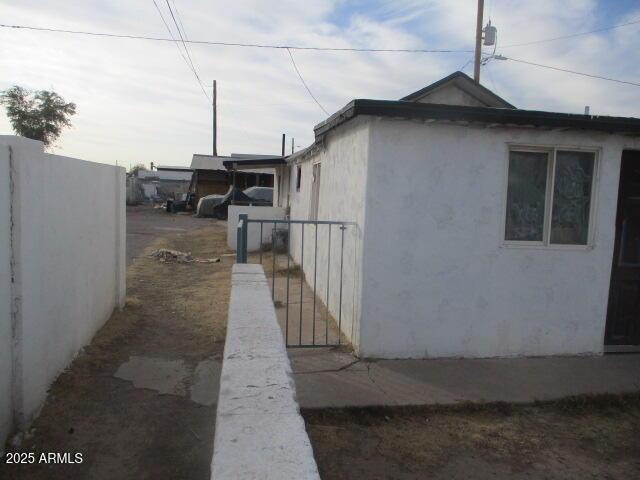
(138, 102)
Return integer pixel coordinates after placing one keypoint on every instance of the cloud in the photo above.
(138, 102)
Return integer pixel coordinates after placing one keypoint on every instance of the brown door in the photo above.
(623, 314)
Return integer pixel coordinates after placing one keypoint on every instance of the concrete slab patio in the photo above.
(331, 378)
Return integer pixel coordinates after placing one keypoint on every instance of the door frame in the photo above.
(617, 347)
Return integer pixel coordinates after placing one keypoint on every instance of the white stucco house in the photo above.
(483, 230)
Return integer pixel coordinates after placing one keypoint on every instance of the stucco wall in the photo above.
(69, 249)
(6, 364)
(437, 279)
(343, 157)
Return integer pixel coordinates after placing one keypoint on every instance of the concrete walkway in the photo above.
(331, 378)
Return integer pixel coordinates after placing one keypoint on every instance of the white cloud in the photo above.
(137, 101)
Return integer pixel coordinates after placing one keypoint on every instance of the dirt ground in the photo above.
(566, 440)
(145, 224)
(176, 314)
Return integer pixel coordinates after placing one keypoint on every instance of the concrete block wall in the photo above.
(259, 430)
(253, 232)
(62, 238)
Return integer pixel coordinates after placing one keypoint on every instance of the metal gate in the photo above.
(315, 325)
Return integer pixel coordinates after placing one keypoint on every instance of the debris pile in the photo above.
(165, 255)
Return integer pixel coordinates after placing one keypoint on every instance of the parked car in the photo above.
(207, 204)
(264, 195)
(217, 205)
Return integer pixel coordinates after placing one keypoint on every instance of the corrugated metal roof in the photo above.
(172, 167)
(209, 162)
(170, 175)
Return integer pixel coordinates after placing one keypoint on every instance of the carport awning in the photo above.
(254, 163)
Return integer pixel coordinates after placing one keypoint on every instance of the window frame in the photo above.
(551, 151)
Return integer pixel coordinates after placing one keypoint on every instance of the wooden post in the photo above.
(476, 65)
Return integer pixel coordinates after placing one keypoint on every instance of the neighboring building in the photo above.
(165, 182)
(482, 230)
(211, 176)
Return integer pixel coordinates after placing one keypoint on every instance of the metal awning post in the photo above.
(241, 238)
(233, 183)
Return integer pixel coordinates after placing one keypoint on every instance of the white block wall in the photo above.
(260, 433)
(67, 245)
(253, 231)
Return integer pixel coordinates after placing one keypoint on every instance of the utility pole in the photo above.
(283, 140)
(292, 141)
(214, 105)
(476, 65)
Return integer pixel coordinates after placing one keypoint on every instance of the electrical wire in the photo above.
(563, 37)
(461, 69)
(175, 7)
(236, 44)
(180, 50)
(305, 83)
(193, 67)
(566, 70)
(296, 47)
(184, 45)
(336, 49)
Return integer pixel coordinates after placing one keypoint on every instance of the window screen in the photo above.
(526, 192)
(572, 197)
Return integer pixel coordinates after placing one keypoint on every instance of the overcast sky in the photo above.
(138, 102)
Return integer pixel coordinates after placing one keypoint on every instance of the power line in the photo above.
(193, 67)
(616, 80)
(236, 44)
(461, 69)
(297, 47)
(178, 47)
(175, 7)
(305, 83)
(184, 45)
(563, 37)
(333, 49)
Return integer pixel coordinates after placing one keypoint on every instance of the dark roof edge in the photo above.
(266, 162)
(442, 81)
(503, 116)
